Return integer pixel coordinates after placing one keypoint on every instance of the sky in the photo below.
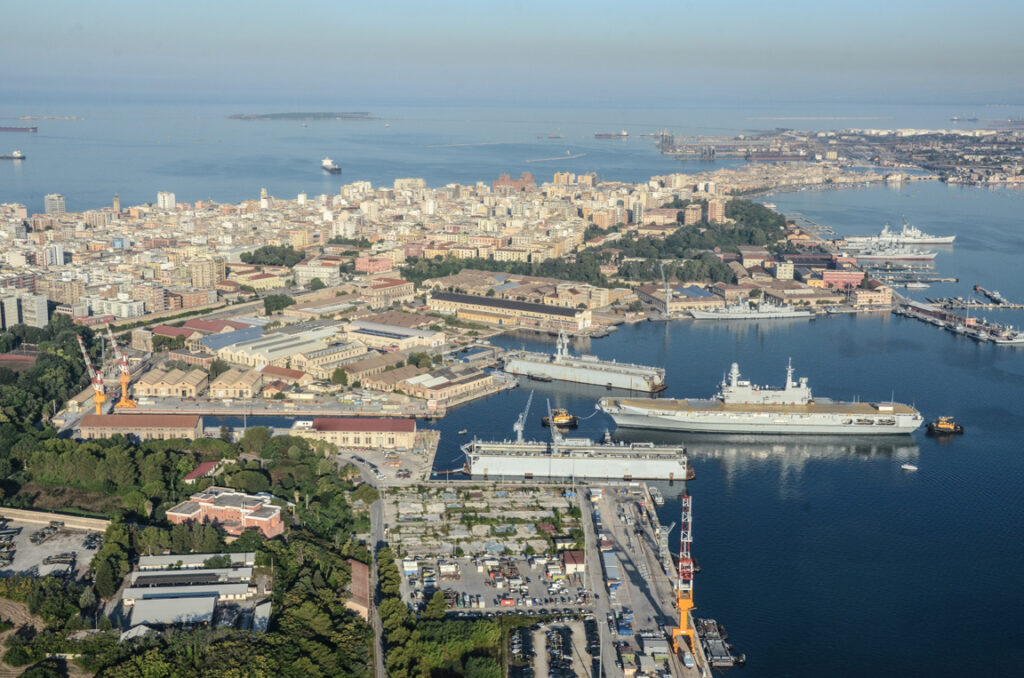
(525, 51)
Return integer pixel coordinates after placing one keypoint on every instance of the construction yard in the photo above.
(31, 548)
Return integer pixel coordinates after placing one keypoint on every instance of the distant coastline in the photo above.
(328, 115)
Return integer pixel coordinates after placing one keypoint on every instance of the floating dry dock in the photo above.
(574, 458)
(564, 458)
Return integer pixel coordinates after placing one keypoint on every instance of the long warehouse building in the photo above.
(495, 311)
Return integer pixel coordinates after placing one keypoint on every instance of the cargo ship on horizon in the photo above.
(330, 166)
(19, 129)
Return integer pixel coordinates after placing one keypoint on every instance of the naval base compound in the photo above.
(575, 458)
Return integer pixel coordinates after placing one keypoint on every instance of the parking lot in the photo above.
(66, 546)
(397, 467)
(510, 584)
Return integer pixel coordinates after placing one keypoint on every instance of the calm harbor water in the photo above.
(822, 557)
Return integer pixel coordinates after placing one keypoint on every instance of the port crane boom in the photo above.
(521, 421)
(99, 396)
(684, 583)
(125, 374)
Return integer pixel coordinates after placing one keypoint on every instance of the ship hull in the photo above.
(905, 242)
(613, 375)
(768, 315)
(895, 257)
(768, 424)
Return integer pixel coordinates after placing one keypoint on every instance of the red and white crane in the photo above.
(684, 584)
(125, 376)
(100, 395)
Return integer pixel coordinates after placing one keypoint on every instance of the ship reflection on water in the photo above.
(740, 453)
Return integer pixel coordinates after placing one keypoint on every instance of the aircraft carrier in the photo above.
(562, 458)
(741, 407)
(587, 369)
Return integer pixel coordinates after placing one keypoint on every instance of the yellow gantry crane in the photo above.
(684, 585)
(100, 396)
(125, 374)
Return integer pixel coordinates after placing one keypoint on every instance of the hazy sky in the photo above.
(562, 51)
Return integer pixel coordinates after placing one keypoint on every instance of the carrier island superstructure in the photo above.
(562, 457)
(740, 407)
(587, 369)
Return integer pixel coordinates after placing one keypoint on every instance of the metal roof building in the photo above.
(164, 612)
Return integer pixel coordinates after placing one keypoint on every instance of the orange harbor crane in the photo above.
(100, 396)
(125, 374)
(684, 584)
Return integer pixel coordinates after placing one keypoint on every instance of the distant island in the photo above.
(358, 115)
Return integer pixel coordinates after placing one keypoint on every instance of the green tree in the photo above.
(483, 667)
(162, 343)
(271, 255)
(316, 284)
(87, 600)
(276, 302)
(339, 376)
(106, 582)
(217, 368)
(255, 439)
(436, 607)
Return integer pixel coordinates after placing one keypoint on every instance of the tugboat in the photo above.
(944, 426)
(562, 419)
(330, 166)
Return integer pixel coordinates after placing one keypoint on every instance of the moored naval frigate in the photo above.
(741, 407)
(577, 458)
(587, 369)
(743, 310)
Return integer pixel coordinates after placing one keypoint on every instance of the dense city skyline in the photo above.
(595, 52)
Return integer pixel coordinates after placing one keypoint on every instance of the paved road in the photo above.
(601, 603)
(376, 541)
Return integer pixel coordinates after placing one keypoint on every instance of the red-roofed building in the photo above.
(360, 588)
(206, 469)
(574, 562)
(362, 432)
(273, 388)
(232, 511)
(271, 373)
(142, 426)
(374, 264)
(385, 291)
(172, 332)
(214, 326)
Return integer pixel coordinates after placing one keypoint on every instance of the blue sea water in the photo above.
(821, 556)
(196, 152)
